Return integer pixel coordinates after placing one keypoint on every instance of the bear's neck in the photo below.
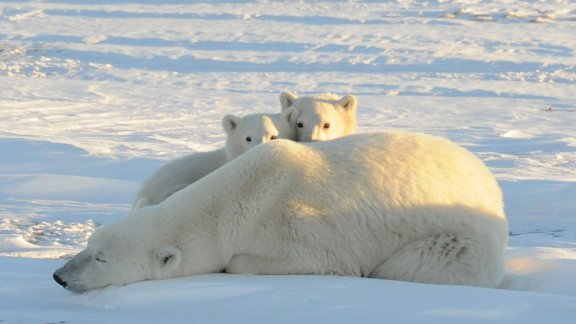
(206, 214)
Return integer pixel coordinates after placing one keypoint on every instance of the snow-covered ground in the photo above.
(97, 94)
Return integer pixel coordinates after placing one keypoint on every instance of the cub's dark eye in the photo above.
(273, 137)
(100, 259)
(300, 125)
(326, 125)
(167, 259)
(248, 139)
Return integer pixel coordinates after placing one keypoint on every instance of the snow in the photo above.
(96, 95)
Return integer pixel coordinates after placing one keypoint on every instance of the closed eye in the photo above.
(100, 259)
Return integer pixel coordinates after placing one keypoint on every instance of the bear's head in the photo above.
(119, 254)
(243, 133)
(323, 117)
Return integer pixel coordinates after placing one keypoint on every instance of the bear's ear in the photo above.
(287, 99)
(230, 122)
(141, 203)
(348, 102)
(168, 258)
(290, 115)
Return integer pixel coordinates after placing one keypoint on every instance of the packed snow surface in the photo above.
(95, 95)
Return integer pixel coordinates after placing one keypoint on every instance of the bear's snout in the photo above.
(59, 280)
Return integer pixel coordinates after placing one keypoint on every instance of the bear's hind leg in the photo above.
(447, 258)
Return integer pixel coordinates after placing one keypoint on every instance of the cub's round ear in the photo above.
(142, 202)
(287, 99)
(348, 102)
(230, 122)
(168, 258)
(290, 115)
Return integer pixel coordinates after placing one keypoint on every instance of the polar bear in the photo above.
(242, 133)
(322, 117)
(392, 205)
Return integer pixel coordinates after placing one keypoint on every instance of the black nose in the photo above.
(59, 280)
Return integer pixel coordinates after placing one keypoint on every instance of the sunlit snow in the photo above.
(96, 95)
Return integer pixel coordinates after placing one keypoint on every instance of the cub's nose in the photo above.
(59, 280)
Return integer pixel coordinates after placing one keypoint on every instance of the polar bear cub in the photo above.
(322, 117)
(391, 205)
(242, 134)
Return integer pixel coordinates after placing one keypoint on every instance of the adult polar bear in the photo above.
(389, 205)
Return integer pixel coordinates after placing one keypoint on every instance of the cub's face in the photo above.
(246, 132)
(254, 130)
(113, 259)
(321, 118)
(319, 123)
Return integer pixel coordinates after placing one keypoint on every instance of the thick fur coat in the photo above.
(391, 205)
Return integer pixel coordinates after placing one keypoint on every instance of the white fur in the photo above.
(390, 205)
(322, 117)
(179, 173)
